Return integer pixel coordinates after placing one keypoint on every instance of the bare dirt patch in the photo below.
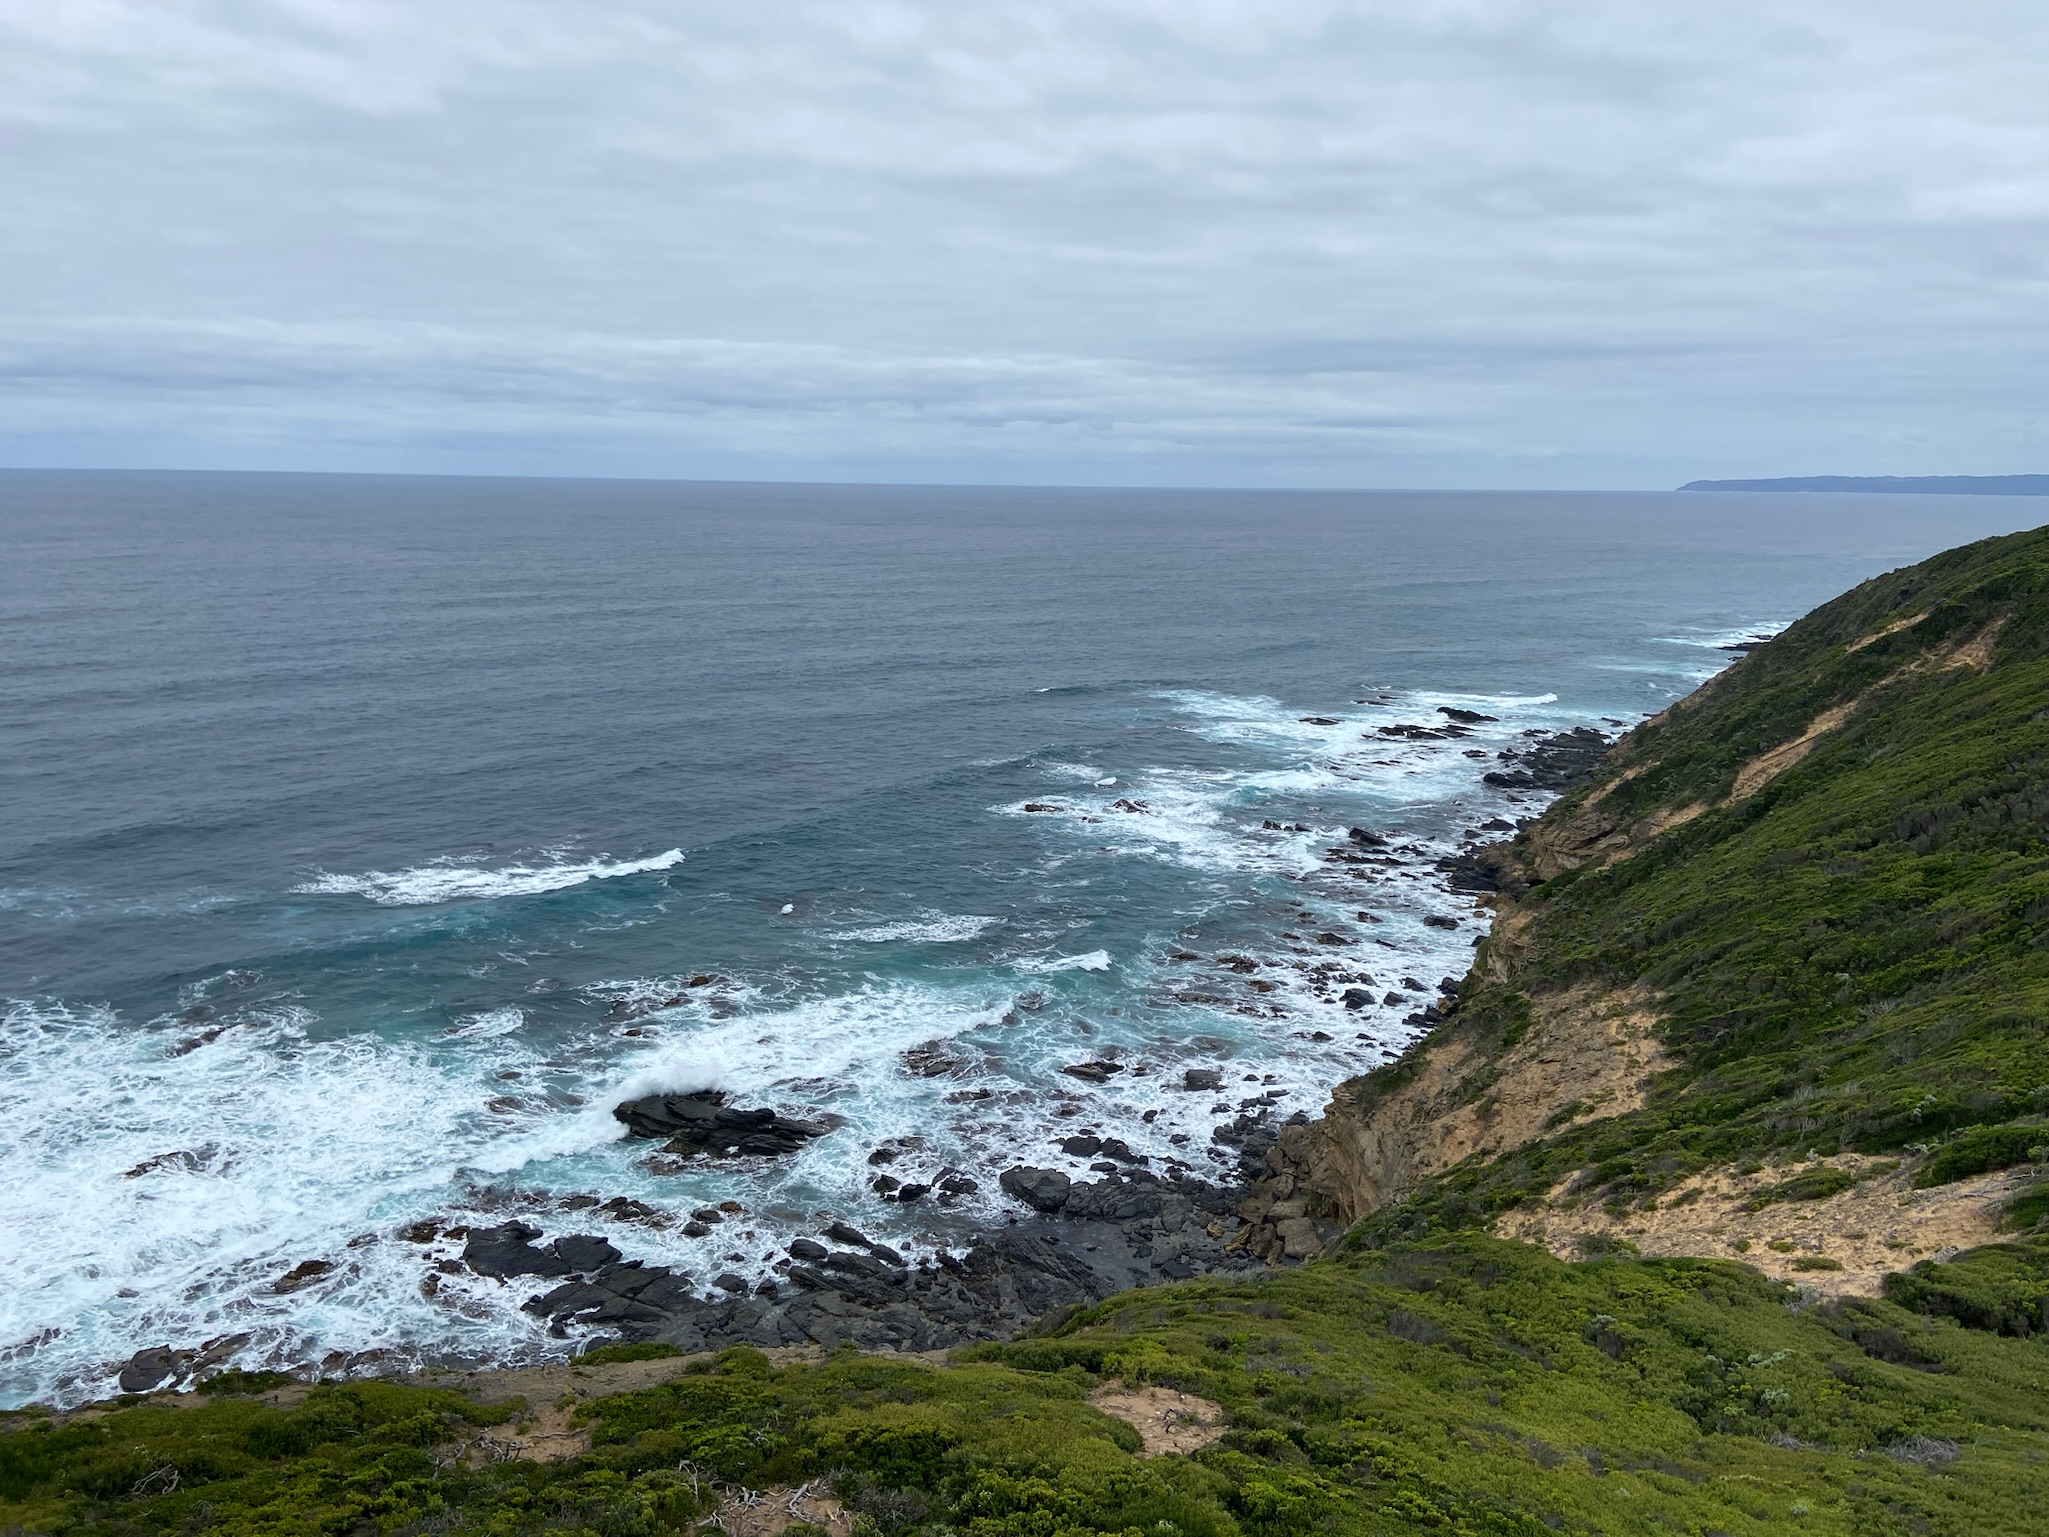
(1892, 629)
(1767, 766)
(1847, 1241)
(770, 1512)
(1592, 1054)
(1166, 1420)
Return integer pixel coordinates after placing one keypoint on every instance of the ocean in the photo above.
(366, 839)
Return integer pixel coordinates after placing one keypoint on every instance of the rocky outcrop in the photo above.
(704, 1123)
(1107, 1236)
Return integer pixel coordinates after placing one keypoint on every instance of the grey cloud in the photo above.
(1480, 241)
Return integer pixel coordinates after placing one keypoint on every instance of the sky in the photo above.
(1473, 243)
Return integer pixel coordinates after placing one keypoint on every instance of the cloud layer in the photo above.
(1475, 242)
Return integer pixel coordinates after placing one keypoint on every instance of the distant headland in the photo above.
(1949, 485)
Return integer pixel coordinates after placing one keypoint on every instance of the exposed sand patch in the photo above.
(1878, 1225)
(1166, 1420)
(1767, 766)
(1891, 629)
(1591, 1053)
(770, 1512)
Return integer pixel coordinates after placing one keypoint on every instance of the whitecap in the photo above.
(486, 1026)
(933, 929)
(451, 881)
(1094, 960)
(1726, 640)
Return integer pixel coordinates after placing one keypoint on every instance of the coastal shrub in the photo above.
(607, 1355)
(1519, 1394)
(2001, 1288)
(1808, 1185)
(1981, 1151)
(2028, 1209)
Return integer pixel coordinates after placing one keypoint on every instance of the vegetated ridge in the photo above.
(1949, 485)
(1780, 962)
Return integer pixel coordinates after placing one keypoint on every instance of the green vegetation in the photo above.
(1853, 958)
(1459, 1385)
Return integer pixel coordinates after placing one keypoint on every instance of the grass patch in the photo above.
(1462, 1384)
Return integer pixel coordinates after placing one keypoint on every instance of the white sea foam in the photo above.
(486, 1026)
(192, 1180)
(1723, 640)
(1093, 960)
(931, 929)
(452, 880)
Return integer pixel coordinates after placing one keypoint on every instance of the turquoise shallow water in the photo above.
(359, 831)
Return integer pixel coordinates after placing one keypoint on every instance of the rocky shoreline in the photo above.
(1068, 1243)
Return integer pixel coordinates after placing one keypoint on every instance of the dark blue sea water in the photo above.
(356, 832)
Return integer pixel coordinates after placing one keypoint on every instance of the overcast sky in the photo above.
(1279, 242)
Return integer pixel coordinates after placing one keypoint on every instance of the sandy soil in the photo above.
(1878, 1225)
(1166, 1420)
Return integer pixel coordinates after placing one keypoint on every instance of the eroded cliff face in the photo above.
(1589, 1053)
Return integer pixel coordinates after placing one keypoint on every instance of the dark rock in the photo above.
(704, 1123)
(1318, 720)
(1439, 921)
(149, 1367)
(1113, 1200)
(841, 1232)
(959, 1184)
(1040, 1189)
(1365, 839)
(304, 1274)
(913, 1192)
(1092, 1072)
(584, 1252)
(886, 1254)
(709, 1214)
(571, 1299)
(1413, 985)
(1202, 1078)
(1118, 1148)
(507, 1250)
(1463, 717)
(1081, 1145)
(695, 1229)
(1555, 762)
(731, 1283)
(885, 1183)
(1355, 998)
(808, 1249)
(851, 1262)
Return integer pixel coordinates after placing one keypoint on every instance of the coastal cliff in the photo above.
(1794, 922)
